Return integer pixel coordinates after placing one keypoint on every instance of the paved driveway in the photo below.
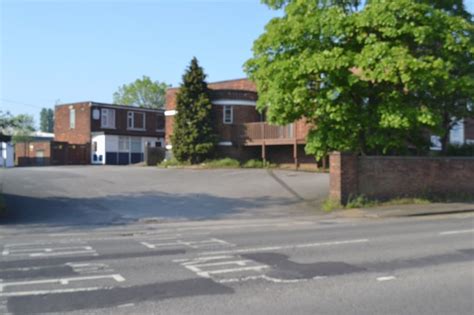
(84, 195)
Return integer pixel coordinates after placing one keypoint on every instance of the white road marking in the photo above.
(456, 232)
(386, 278)
(201, 259)
(272, 248)
(41, 292)
(196, 244)
(63, 281)
(126, 305)
(42, 243)
(91, 252)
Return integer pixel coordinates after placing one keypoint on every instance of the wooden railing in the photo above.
(259, 131)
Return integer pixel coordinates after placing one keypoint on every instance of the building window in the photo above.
(108, 118)
(72, 118)
(136, 120)
(136, 145)
(124, 144)
(456, 134)
(160, 123)
(228, 114)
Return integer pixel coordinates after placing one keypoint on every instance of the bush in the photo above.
(172, 163)
(460, 150)
(253, 164)
(226, 162)
(331, 204)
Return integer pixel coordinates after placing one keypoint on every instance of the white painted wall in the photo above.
(100, 139)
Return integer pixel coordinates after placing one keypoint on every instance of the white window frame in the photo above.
(125, 140)
(131, 120)
(72, 118)
(109, 115)
(231, 120)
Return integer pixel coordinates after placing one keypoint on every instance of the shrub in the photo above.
(226, 162)
(253, 164)
(172, 163)
(331, 204)
(460, 150)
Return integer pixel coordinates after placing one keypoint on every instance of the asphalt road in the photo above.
(298, 264)
(91, 195)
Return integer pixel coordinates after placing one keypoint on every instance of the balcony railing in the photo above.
(261, 131)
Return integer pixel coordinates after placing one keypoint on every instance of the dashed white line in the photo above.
(386, 278)
(456, 232)
(272, 248)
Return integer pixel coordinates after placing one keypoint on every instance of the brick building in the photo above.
(116, 134)
(242, 130)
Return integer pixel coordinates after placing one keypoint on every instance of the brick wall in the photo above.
(241, 115)
(393, 176)
(27, 153)
(81, 133)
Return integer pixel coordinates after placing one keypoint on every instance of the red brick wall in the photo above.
(241, 114)
(25, 153)
(393, 176)
(81, 133)
(239, 84)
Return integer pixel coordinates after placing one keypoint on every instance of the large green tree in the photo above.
(20, 126)
(47, 120)
(142, 93)
(368, 78)
(193, 138)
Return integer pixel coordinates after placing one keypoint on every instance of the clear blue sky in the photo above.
(83, 49)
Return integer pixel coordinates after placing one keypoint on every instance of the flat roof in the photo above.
(91, 103)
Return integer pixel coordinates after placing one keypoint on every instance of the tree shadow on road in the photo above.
(129, 208)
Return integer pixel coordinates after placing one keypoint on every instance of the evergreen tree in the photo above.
(193, 137)
(47, 120)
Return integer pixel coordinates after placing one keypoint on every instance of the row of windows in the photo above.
(135, 120)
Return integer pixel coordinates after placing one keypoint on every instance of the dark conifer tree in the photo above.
(193, 139)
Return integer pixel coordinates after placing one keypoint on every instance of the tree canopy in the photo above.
(193, 138)
(20, 126)
(142, 93)
(369, 79)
